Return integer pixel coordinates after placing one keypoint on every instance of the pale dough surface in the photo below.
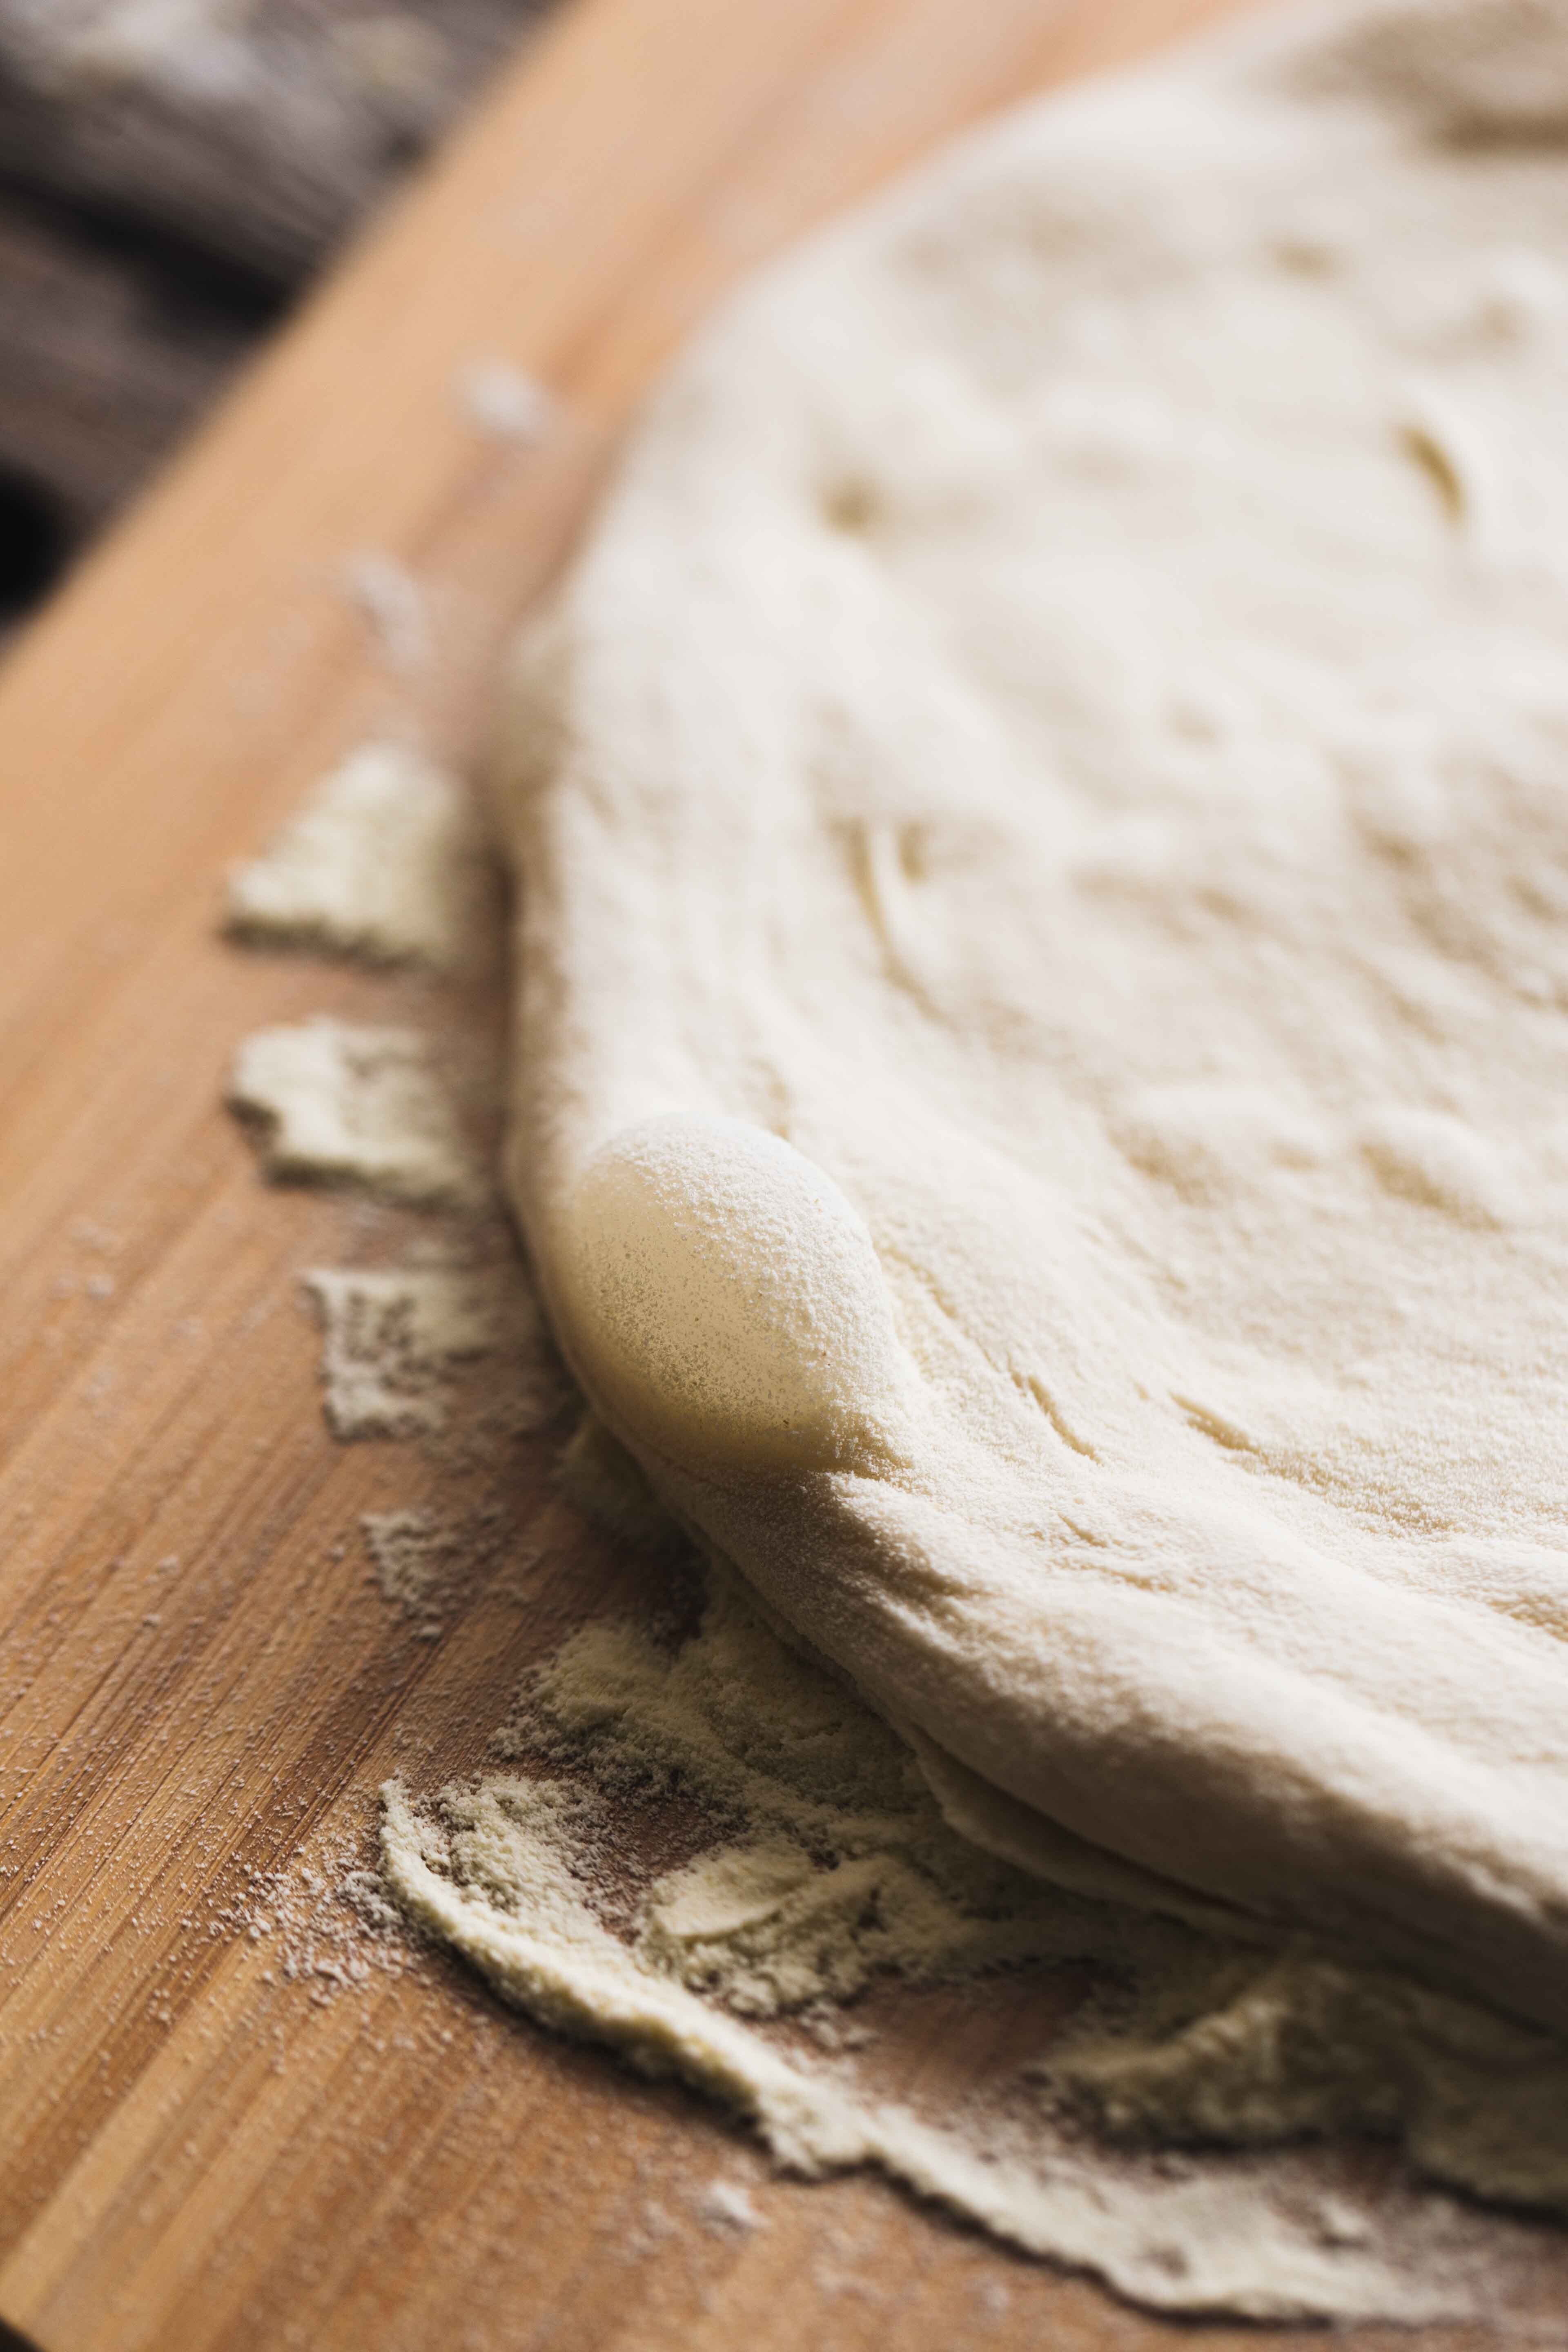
(1042, 813)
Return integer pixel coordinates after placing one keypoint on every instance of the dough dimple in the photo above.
(724, 1301)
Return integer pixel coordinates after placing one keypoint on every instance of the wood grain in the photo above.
(200, 1687)
(99, 370)
(253, 134)
(164, 195)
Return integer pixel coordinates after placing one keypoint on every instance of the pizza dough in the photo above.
(1042, 813)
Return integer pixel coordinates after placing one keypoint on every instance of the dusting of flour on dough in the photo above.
(728, 1299)
(386, 861)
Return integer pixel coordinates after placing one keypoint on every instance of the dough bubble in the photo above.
(725, 1302)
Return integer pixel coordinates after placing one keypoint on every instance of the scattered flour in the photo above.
(336, 1104)
(725, 2206)
(325, 1924)
(502, 399)
(819, 1869)
(392, 606)
(385, 861)
(391, 1336)
(413, 1553)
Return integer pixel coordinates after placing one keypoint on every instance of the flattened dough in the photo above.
(1040, 1108)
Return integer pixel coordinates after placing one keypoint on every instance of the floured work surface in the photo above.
(238, 2111)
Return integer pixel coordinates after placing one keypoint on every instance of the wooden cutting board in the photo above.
(201, 1689)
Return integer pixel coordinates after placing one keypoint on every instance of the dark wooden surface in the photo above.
(104, 359)
(171, 172)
